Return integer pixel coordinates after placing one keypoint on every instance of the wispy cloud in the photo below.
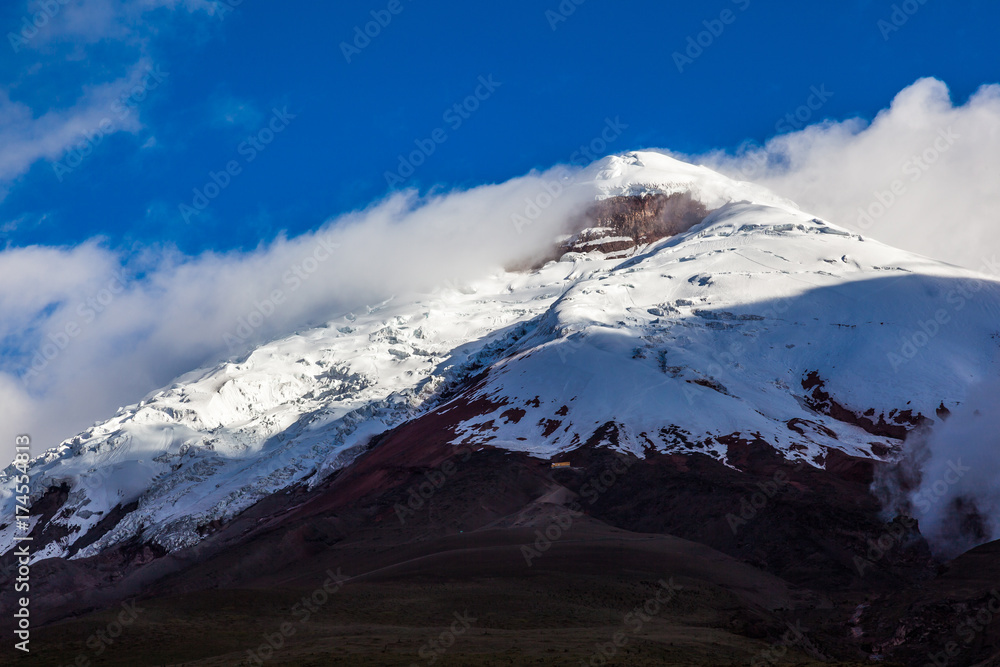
(27, 137)
(53, 36)
(90, 21)
(229, 111)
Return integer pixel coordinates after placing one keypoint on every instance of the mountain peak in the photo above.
(637, 173)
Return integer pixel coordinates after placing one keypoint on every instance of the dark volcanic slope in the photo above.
(953, 620)
(550, 562)
(473, 547)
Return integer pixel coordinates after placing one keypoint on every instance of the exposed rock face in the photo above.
(899, 423)
(619, 224)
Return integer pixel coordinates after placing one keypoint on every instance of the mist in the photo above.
(947, 477)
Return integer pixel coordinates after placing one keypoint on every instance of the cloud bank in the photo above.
(921, 176)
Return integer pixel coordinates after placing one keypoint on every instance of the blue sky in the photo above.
(221, 75)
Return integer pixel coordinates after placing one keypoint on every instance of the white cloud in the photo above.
(943, 159)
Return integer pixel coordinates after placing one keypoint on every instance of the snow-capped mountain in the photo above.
(760, 322)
